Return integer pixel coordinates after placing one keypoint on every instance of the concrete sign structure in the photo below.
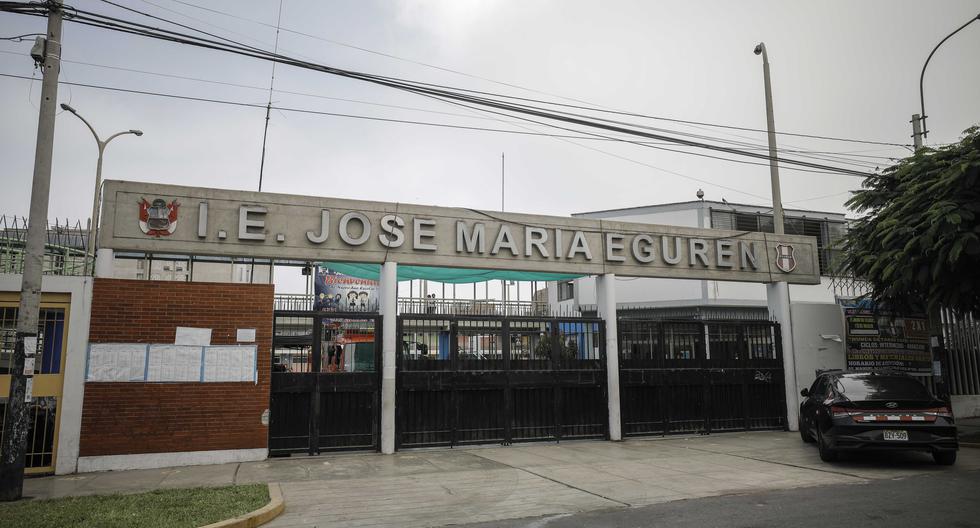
(204, 221)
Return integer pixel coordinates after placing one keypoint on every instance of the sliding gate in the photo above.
(325, 382)
(472, 380)
(700, 376)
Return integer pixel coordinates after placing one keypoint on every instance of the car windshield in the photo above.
(858, 388)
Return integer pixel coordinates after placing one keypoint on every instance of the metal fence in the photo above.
(961, 334)
(64, 249)
(410, 305)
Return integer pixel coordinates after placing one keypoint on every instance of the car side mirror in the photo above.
(805, 392)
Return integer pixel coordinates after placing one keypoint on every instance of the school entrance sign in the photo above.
(280, 226)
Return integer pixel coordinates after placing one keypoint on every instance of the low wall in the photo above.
(140, 418)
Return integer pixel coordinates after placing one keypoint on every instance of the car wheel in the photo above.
(804, 434)
(826, 454)
(944, 458)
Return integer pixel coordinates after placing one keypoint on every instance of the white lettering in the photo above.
(726, 256)
(535, 237)
(245, 225)
(202, 220)
(324, 229)
(747, 251)
(419, 232)
(475, 240)
(504, 240)
(391, 225)
(559, 247)
(579, 245)
(614, 242)
(698, 251)
(345, 228)
(665, 250)
(643, 254)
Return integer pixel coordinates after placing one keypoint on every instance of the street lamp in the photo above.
(94, 226)
(919, 129)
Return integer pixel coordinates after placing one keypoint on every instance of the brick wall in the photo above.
(129, 417)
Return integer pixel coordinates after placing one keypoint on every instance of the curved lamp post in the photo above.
(94, 226)
(919, 129)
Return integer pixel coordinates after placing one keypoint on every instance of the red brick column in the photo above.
(133, 417)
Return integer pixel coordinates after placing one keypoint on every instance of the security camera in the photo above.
(700, 194)
(758, 49)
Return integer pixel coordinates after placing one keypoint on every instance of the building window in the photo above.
(566, 290)
(827, 232)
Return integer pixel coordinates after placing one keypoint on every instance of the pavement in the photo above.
(442, 487)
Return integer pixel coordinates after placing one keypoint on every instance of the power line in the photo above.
(592, 106)
(426, 89)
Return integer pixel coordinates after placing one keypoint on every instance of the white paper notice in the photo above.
(193, 336)
(246, 335)
(229, 363)
(116, 362)
(29, 365)
(174, 363)
(29, 389)
(30, 345)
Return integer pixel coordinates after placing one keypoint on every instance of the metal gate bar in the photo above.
(700, 377)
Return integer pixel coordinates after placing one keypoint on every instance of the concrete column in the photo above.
(777, 294)
(389, 344)
(104, 264)
(606, 304)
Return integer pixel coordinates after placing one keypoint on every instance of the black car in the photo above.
(851, 411)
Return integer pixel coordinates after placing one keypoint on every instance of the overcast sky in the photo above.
(847, 69)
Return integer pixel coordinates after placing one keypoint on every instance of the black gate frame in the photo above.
(316, 384)
(700, 394)
(554, 373)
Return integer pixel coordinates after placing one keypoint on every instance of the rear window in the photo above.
(881, 388)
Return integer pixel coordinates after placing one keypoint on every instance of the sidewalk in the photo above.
(969, 430)
(453, 486)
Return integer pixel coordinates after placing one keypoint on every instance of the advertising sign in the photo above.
(881, 340)
(336, 292)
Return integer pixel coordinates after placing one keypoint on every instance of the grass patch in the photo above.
(172, 508)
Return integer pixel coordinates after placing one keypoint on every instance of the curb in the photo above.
(258, 517)
(970, 444)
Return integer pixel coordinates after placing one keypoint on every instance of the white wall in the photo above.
(810, 321)
(73, 389)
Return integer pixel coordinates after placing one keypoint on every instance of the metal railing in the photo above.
(409, 305)
(961, 335)
(64, 250)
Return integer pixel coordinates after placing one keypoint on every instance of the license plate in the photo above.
(902, 436)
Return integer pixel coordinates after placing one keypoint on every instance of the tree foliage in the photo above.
(917, 242)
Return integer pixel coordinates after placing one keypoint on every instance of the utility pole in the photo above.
(777, 293)
(503, 283)
(16, 420)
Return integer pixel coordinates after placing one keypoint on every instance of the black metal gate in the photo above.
(471, 380)
(700, 376)
(325, 382)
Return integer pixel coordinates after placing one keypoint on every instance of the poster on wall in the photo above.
(881, 340)
(336, 292)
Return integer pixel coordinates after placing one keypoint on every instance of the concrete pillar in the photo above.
(777, 294)
(104, 263)
(389, 344)
(606, 304)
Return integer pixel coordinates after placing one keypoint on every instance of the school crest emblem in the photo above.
(785, 258)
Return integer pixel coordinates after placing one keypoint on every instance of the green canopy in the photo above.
(446, 275)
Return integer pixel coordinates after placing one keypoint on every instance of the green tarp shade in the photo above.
(446, 275)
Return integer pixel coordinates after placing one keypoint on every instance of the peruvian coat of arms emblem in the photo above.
(158, 218)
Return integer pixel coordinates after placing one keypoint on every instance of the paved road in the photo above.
(941, 499)
(441, 487)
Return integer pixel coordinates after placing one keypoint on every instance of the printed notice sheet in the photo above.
(229, 363)
(116, 362)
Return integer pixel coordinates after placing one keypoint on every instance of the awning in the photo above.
(445, 275)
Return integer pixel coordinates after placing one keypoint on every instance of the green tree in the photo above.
(917, 241)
